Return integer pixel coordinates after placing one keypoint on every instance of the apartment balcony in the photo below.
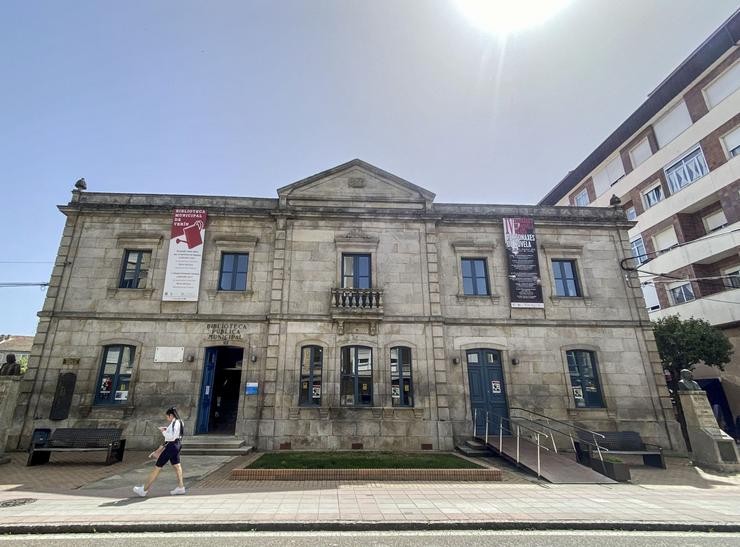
(718, 309)
(705, 250)
(364, 305)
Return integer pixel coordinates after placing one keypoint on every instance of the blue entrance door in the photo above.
(206, 390)
(487, 390)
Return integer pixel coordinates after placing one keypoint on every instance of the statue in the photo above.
(10, 367)
(687, 383)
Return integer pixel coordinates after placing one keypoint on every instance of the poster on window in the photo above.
(182, 277)
(525, 286)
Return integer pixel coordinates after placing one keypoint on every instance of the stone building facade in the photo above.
(358, 319)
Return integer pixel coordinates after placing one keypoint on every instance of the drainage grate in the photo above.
(16, 502)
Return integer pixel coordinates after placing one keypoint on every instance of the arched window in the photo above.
(584, 378)
(402, 387)
(356, 386)
(115, 375)
(312, 363)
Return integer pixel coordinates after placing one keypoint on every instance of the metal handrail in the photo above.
(594, 434)
(558, 421)
(519, 427)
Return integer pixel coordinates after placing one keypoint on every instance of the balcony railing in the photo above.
(357, 300)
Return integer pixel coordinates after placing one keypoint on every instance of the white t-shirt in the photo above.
(173, 431)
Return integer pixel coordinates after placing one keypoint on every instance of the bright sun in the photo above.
(509, 16)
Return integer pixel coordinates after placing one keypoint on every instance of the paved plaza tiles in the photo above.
(74, 491)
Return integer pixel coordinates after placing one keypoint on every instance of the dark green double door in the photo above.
(487, 391)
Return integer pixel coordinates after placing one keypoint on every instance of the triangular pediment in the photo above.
(355, 181)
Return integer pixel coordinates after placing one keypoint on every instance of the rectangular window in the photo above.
(135, 269)
(651, 297)
(631, 213)
(356, 386)
(686, 170)
(732, 278)
(356, 271)
(638, 251)
(233, 272)
(682, 293)
(723, 86)
(715, 221)
(652, 196)
(666, 239)
(640, 152)
(672, 124)
(402, 391)
(312, 361)
(581, 199)
(566, 279)
(732, 142)
(115, 375)
(608, 175)
(475, 277)
(584, 379)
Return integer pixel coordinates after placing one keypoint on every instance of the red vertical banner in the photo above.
(185, 256)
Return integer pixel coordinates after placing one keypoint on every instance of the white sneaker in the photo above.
(180, 490)
(139, 491)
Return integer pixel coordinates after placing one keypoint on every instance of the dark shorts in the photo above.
(171, 453)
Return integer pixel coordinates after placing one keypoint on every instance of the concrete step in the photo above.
(212, 441)
(473, 452)
(476, 445)
(197, 451)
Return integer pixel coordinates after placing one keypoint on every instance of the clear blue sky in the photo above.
(242, 97)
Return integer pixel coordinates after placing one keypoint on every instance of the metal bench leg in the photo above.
(654, 460)
(38, 458)
(115, 453)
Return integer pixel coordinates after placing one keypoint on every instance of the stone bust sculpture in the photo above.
(687, 383)
(10, 367)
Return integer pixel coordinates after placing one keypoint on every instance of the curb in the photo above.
(359, 526)
(424, 475)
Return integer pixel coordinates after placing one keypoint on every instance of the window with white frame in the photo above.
(732, 277)
(608, 175)
(691, 167)
(631, 213)
(732, 142)
(714, 221)
(665, 239)
(681, 293)
(723, 86)
(638, 251)
(581, 199)
(672, 124)
(640, 152)
(652, 196)
(651, 297)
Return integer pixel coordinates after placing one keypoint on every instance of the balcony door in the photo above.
(356, 271)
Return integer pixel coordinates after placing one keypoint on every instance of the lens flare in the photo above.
(509, 16)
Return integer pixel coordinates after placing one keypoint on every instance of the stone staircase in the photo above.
(214, 445)
(474, 448)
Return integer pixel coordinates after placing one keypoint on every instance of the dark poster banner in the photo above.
(524, 267)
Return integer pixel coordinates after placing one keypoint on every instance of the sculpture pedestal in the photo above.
(710, 446)
(9, 388)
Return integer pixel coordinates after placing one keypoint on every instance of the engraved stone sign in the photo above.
(166, 354)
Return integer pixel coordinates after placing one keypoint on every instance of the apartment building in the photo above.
(350, 312)
(674, 167)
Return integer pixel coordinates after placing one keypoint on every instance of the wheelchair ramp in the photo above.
(554, 468)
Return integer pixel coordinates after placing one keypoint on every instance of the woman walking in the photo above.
(172, 442)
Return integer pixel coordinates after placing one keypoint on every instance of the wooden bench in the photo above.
(624, 442)
(79, 440)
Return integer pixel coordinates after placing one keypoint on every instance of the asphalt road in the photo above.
(376, 539)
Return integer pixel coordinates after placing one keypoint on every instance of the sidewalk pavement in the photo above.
(78, 494)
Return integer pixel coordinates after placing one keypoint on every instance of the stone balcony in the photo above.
(363, 305)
